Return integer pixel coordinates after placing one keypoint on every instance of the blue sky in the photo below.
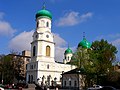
(97, 18)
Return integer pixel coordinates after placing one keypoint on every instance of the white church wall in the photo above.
(42, 25)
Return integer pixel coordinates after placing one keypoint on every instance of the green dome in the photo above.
(68, 51)
(43, 13)
(84, 44)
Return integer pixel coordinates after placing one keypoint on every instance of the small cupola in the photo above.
(43, 13)
(84, 43)
(68, 51)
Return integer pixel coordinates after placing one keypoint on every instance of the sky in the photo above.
(99, 19)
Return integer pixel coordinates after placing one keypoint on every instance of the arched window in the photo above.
(47, 50)
(31, 78)
(48, 66)
(64, 83)
(47, 24)
(37, 24)
(34, 50)
(42, 22)
(75, 83)
(65, 57)
(69, 83)
(68, 57)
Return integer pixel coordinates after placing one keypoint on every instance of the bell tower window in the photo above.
(47, 24)
(34, 50)
(68, 57)
(42, 23)
(47, 50)
(37, 24)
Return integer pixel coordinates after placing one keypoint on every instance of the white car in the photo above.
(2, 88)
(95, 87)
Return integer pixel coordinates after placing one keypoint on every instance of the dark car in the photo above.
(108, 88)
(23, 85)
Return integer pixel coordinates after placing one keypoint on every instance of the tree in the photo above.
(6, 69)
(82, 60)
(97, 61)
(80, 57)
(102, 54)
(18, 66)
(10, 68)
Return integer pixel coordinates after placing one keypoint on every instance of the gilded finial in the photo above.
(68, 45)
(43, 6)
(83, 35)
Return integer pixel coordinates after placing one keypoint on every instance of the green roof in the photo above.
(76, 71)
(43, 13)
(68, 51)
(84, 44)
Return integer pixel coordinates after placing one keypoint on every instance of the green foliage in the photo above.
(79, 57)
(97, 61)
(6, 69)
(103, 55)
(10, 68)
(105, 50)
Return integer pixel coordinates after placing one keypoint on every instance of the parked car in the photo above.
(7, 86)
(95, 87)
(23, 85)
(108, 88)
(1, 88)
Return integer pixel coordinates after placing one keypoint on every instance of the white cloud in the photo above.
(58, 40)
(73, 18)
(59, 53)
(114, 35)
(60, 47)
(116, 42)
(5, 27)
(109, 36)
(21, 42)
(86, 16)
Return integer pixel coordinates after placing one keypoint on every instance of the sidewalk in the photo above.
(28, 89)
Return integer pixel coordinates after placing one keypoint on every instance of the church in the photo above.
(43, 68)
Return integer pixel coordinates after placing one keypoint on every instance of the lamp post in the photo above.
(62, 78)
(78, 79)
(69, 83)
(55, 82)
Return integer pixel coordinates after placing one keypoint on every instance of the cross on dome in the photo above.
(44, 7)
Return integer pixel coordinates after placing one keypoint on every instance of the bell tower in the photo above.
(42, 46)
(67, 55)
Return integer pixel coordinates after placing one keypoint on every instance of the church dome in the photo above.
(68, 51)
(43, 13)
(84, 44)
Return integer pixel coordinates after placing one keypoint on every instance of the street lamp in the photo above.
(62, 78)
(78, 79)
(55, 82)
(69, 83)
